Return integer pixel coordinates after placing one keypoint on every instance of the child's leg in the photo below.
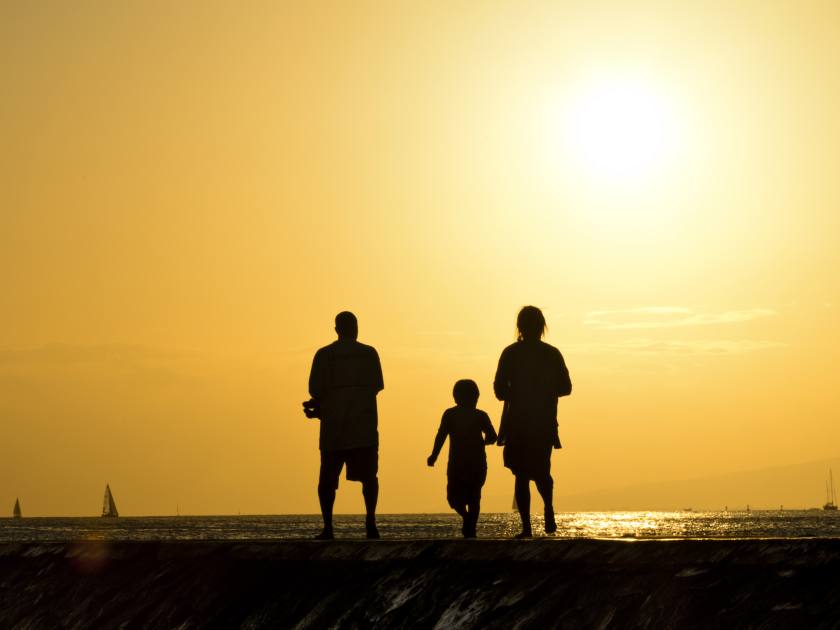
(461, 509)
(471, 522)
(455, 499)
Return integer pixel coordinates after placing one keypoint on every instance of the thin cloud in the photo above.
(679, 347)
(668, 317)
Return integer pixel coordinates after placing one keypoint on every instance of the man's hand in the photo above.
(431, 460)
(312, 408)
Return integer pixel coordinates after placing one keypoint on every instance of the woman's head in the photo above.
(530, 323)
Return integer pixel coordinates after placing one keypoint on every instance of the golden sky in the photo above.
(189, 192)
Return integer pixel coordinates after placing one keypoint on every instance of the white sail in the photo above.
(109, 507)
(830, 495)
(16, 512)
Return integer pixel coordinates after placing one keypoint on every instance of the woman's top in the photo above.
(530, 378)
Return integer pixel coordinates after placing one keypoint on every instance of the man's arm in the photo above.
(317, 376)
(380, 383)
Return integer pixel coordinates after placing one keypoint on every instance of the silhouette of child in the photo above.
(469, 429)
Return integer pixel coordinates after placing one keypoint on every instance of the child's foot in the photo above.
(550, 523)
(326, 534)
(525, 533)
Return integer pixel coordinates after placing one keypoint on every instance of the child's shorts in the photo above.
(463, 489)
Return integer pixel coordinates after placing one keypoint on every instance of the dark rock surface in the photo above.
(424, 584)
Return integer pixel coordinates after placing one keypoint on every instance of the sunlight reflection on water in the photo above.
(613, 525)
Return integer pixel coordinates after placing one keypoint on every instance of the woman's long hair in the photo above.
(530, 323)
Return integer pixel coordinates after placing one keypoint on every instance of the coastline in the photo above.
(574, 583)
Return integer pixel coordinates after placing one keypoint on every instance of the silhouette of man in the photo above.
(346, 376)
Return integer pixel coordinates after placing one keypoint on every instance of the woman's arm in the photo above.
(564, 382)
(501, 384)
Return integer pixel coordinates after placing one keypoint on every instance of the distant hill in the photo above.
(795, 487)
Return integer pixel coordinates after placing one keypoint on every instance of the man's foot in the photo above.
(550, 523)
(525, 533)
(327, 534)
(370, 529)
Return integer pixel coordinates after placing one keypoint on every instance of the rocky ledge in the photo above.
(422, 583)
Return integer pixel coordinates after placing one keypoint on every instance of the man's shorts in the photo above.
(362, 465)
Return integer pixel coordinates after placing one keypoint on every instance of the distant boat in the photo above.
(830, 495)
(16, 512)
(109, 508)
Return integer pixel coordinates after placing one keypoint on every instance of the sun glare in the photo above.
(620, 129)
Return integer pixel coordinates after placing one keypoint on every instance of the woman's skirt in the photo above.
(529, 459)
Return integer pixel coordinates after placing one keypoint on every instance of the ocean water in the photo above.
(623, 525)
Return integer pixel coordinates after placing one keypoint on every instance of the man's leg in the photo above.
(370, 491)
(326, 497)
(545, 487)
(327, 482)
(522, 491)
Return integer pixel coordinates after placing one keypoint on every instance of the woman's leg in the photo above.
(522, 491)
(545, 487)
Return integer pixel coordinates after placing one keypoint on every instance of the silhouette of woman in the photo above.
(530, 378)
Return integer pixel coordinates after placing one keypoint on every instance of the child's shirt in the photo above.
(467, 429)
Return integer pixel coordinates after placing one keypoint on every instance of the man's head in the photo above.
(465, 393)
(346, 325)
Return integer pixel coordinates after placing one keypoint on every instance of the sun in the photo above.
(620, 129)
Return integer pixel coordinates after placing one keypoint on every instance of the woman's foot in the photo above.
(326, 534)
(525, 533)
(550, 523)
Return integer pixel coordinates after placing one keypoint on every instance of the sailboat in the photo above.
(16, 512)
(830, 495)
(109, 508)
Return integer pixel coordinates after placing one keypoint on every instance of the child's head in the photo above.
(465, 393)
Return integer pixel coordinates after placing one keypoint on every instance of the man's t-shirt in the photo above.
(345, 378)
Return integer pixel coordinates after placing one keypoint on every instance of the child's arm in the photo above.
(490, 436)
(440, 438)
